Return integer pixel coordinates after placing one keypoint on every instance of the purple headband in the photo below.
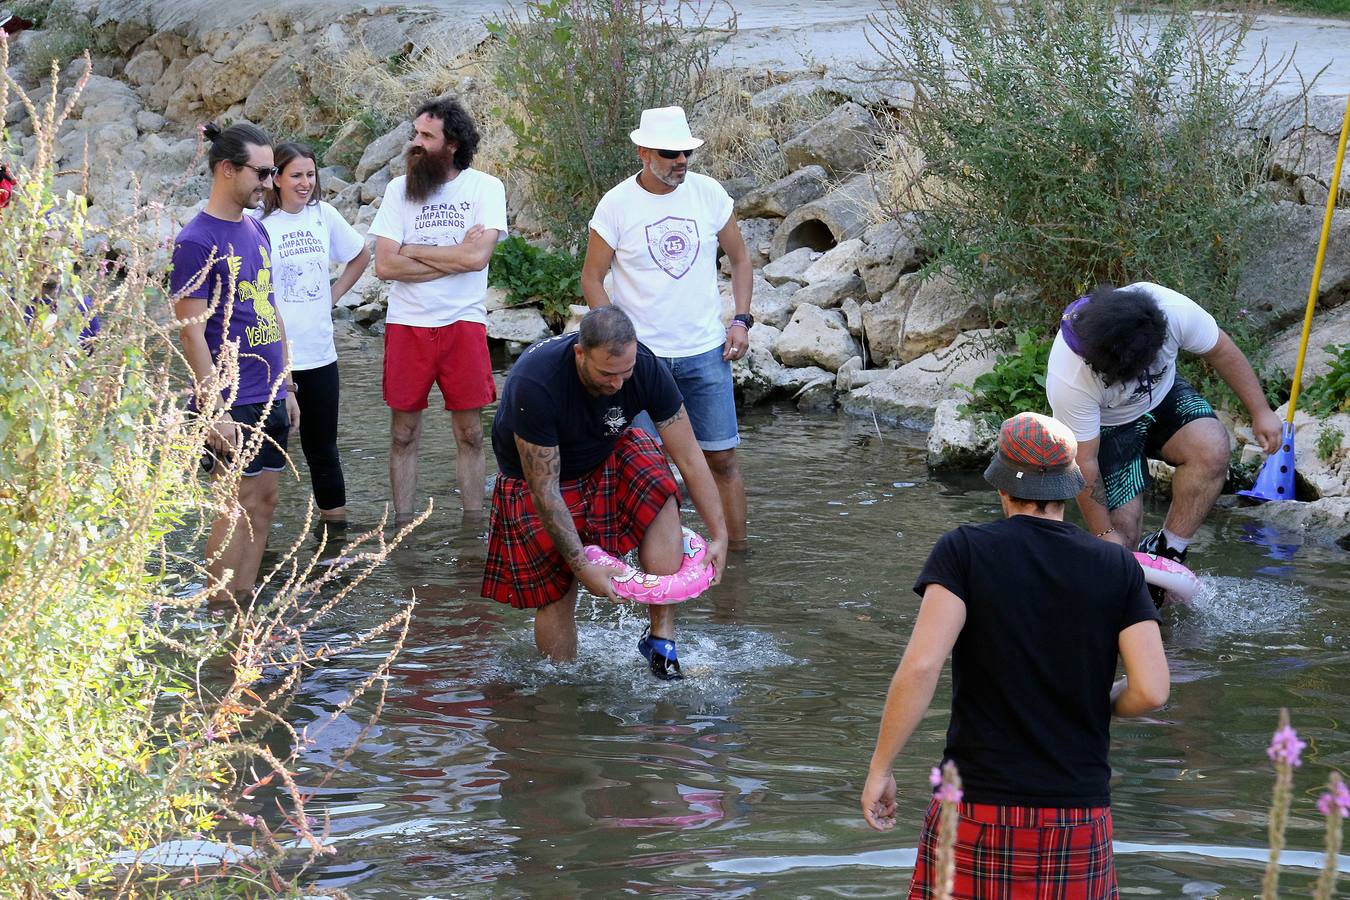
(1066, 324)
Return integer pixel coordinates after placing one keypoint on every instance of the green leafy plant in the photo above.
(1061, 149)
(1330, 392)
(1015, 384)
(575, 76)
(530, 274)
(1329, 443)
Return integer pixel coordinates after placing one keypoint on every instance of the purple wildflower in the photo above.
(248, 820)
(1337, 803)
(935, 776)
(949, 793)
(1285, 747)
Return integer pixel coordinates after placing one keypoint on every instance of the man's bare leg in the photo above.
(1199, 450)
(661, 552)
(405, 437)
(555, 627)
(237, 540)
(726, 471)
(470, 467)
(1128, 520)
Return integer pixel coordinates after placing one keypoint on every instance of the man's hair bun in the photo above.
(211, 131)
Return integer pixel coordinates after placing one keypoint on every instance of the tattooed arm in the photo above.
(542, 467)
(678, 436)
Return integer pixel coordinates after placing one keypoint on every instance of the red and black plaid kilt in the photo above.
(1016, 852)
(611, 507)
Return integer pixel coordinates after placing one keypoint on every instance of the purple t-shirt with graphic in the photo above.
(243, 261)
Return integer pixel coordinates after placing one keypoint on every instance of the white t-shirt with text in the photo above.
(1079, 398)
(303, 245)
(665, 261)
(470, 198)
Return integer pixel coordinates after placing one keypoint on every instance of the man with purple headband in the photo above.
(1112, 378)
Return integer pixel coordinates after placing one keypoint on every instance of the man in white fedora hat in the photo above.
(658, 233)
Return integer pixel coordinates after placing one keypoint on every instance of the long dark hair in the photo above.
(457, 125)
(283, 156)
(231, 144)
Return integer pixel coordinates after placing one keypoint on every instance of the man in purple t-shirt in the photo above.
(222, 288)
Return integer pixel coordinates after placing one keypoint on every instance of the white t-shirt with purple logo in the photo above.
(665, 261)
(470, 198)
(303, 244)
(1081, 400)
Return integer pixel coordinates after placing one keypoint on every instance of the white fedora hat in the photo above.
(664, 128)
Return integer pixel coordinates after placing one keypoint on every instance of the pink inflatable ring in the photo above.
(1179, 583)
(634, 584)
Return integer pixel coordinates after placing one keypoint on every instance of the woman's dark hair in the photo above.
(283, 156)
(231, 144)
(456, 125)
(1120, 331)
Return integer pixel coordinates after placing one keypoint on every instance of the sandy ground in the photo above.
(794, 34)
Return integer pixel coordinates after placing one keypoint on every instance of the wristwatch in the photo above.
(745, 319)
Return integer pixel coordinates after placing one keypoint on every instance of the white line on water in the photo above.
(904, 858)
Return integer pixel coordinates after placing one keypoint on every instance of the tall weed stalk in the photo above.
(128, 715)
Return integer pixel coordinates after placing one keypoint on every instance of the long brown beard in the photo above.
(426, 172)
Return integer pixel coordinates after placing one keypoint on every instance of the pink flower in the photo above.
(935, 776)
(949, 793)
(1285, 747)
(1337, 803)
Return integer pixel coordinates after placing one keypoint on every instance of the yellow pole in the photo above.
(1317, 266)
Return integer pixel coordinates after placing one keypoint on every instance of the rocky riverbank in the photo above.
(844, 318)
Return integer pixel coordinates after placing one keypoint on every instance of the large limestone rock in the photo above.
(107, 100)
(816, 337)
(349, 143)
(840, 261)
(1309, 150)
(790, 94)
(958, 440)
(1325, 521)
(830, 292)
(1273, 285)
(522, 324)
(1330, 327)
(145, 68)
(758, 235)
(781, 197)
(790, 267)
(282, 87)
(381, 151)
(844, 141)
(915, 317)
(759, 377)
(769, 304)
(891, 249)
(368, 290)
(913, 393)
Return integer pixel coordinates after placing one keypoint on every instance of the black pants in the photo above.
(317, 394)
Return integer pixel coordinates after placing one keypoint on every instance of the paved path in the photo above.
(794, 34)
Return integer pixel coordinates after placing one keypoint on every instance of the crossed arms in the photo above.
(417, 263)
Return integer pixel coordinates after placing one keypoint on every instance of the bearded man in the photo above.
(434, 234)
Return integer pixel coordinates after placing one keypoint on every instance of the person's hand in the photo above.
(598, 579)
(1115, 537)
(737, 343)
(717, 558)
(878, 801)
(474, 233)
(1268, 430)
(223, 436)
(293, 412)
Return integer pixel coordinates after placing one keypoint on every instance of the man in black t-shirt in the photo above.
(574, 473)
(1035, 613)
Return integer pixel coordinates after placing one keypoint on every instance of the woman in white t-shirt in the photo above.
(307, 235)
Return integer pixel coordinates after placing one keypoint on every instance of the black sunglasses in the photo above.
(675, 154)
(264, 172)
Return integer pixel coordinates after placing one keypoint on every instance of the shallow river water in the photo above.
(493, 774)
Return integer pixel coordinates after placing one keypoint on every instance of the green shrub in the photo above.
(1330, 392)
(1015, 384)
(1063, 150)
(575, 76)
(530, 274)
(63, 33)
(111, 739)
(1329, 442)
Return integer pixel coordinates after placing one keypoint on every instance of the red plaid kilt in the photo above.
(1015, 852)
(611, 507)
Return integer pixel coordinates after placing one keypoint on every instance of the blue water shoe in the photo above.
(661, 656)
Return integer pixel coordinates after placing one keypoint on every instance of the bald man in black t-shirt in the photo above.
(573, 472)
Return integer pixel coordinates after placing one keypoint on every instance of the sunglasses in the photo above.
(675, 154)
(264, 172)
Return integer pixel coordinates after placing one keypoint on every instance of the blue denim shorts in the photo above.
(705, 383)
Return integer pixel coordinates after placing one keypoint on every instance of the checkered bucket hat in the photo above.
(1035, 459)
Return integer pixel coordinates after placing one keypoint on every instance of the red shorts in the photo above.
(1022, 851)
(454, 357)
(611, 507)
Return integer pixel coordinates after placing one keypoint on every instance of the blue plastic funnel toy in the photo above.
(1275, 481)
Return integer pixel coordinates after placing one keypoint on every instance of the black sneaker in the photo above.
(1155, 545)
(661, 656)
